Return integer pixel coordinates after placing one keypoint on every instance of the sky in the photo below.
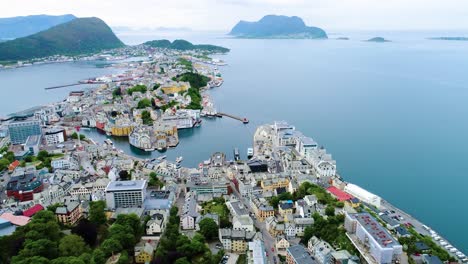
(222, 15)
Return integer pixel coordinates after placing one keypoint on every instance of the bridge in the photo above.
(242, 119)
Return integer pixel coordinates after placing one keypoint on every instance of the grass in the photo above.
(242, 259)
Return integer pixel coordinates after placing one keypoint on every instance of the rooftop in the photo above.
(379, 233)
(115, 186)
(300, 255)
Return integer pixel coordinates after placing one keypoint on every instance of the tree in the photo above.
(53, 207)
(208, 228)
(72, 245)
(143, 103)
(110, 246)
(68, 260)
(87, 230)
(41, 247)
(29, 260)
(98, 257)
(330, 210)
(42, 155)
(182, 261)
(96, 212)
(75, 136)
(146, 118)
(124, 175)
(123, 259)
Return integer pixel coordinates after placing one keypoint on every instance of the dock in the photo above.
(62, 86)
(242, 119)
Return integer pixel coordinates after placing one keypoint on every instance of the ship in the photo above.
(179, 159)
(250, 153)
(236, 154)
(108, 142)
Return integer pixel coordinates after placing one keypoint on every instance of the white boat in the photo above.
(149, 149)
(453, 250)
(162, 157)
(250, 153)
(108, 142)
(179, 159)
(443, 243)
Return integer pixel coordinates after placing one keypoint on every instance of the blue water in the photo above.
(392, 114)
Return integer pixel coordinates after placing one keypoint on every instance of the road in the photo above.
(267, 238)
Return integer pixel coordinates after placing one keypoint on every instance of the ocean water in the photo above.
(392, 114)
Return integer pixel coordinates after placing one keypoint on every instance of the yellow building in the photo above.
(175, 88)
(122, 130)
(144, 254)
(274, 183)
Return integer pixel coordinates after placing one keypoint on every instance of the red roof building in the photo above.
(33, 210)
(339, 194)
(13, 165)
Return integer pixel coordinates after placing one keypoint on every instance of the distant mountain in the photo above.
(181, 44)
(79, 36)
(273, 26)
(16, 27)
(378, 39)
(451, 38)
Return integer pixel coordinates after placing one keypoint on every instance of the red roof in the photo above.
(33, 210)
(13, 165)
(339, 194)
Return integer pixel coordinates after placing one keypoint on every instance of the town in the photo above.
(67, 197)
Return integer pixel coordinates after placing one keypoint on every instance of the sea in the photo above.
(393, 114)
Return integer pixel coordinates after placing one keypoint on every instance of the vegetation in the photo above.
(169, 105)
(274, 201)
(322, 195)
(154, 180)
(177, 248)
(218, 206)
(143, 103)
(44, 159)
(331, 230)
(75, 136)
(180, 44)
(242, 259)
(137, 88)
(96, 213)
(117, 93)
(409, 243)
(146, 117)
(157, 85)
(6, 160)
(186, 63)
(196, 81)
(208, 228)
(79, 36)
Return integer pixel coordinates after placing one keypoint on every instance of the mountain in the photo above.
(181, 44)
(79, 36)
(21, 26)
(451, 38)
(273, 26)
(378, 39)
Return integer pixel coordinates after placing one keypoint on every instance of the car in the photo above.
(272, 249)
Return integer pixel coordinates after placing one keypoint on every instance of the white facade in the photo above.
(363, 195)
(54, 137)
(188, 222)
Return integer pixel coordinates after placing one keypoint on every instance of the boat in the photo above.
(108, 142)
(245, 120)
(108, 133)
(149, 149)
(250, 153)
(161, 157)
(236, 154)
(179, 159)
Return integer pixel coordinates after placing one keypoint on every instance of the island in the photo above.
(277, 27)
(184, 45)
(342, 38)
(378, 39)
(79, 36)
(450, 38)
(21, 26)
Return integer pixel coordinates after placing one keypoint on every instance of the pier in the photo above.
(242, 119)
(62, 86)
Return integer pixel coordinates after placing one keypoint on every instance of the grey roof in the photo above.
(115, 186)
(68, 207)
(377, 231)
(300, 255)
(390, 221)
(239, 208)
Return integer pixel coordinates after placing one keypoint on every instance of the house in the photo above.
(304, 209)
(235, 240)
(189, 212)
(290, 230)
(281, 244)
(156, 225)
(285, 207)
(244, 222)
(33, 210)
(261, 208)
(298, 255)
(431, 259)
(402, 232)
(301, 224)
(320, 249)
(144, 253)
(69, 213)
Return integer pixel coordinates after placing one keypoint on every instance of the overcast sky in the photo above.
(223, 14)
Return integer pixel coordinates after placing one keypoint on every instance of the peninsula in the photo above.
(378, 39)
(79, 36)
(277, 27)
(185, 45)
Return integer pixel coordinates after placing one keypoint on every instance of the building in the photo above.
(339, 194)
(370, 236)
(281, 244)
(274, 183)
(256, 253)
(144, 253)
(33, 210)
(20, 131)
(32, 144)
(363, 195)
(261, 208)
(235, 240)
(244, 222)
(22, 187)
(189, 214)
(298, 255)
(321, 250)
(285, 207)
(174, 88)
(156, 226)
(214, 187)
(55, 136)
(69, 214)
(125, 193)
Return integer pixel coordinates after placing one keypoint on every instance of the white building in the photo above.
(363, 195)
(188, 218)
(375, 239)
(125, 194)
(244, 222)
(256, 253)
(54, 136)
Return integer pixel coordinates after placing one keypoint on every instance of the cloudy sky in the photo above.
(223, 14)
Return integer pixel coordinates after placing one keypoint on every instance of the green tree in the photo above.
(208, 228)
(41, 247)
(87, 230)
(98, 257)
(146, 118)
(111, 246)
(138, 88)
(68, 260)
(72, 245)
(183, 260)
(143, 103)
(29, 260)
(330, 210)
(96, 212)
(123, 259)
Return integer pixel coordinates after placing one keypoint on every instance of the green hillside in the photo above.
(79, 36)
(181, 44)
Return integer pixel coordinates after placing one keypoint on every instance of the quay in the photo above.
(242, 119)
